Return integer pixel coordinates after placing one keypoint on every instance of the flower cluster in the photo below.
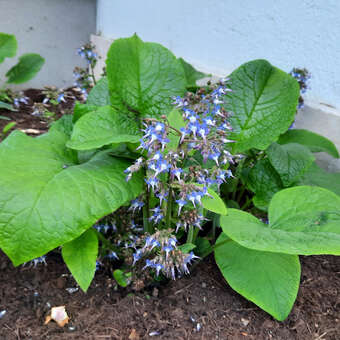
(163, 256)
(37, 261)
(19, 98)
(84, 77)
(302, 76)
(54, 95)
(173, 173)
(87, 52)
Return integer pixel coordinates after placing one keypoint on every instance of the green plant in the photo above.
(28, 66)
(187, 161)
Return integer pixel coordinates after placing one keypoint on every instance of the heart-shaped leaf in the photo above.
(302, 221)
(101, 127)
(143, 77)
(264, 101)
(270, 280)
(48, 198)
(291, 161)
(312, 140)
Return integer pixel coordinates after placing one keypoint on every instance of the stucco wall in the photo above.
(218, 36)
(53, 28)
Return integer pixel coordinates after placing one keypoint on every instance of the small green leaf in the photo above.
(143, 77)
(264, 101)
(291, 161)
(213, 202)
(101, 127)
(312, 140)
(28, 66)
(186, 247)
(176, 121)
(99, 95)
(8, 127)
(264, 181)
(8, 46)
(269, 280)
(319, 177)
(191, 74)
(7, 106)
(80, 256)
(121, 278)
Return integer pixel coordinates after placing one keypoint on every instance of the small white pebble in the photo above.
(2, 313)
(154, 333)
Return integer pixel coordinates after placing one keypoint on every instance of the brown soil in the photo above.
(172, 311)
(201, 306)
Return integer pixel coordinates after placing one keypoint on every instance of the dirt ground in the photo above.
(201, 306)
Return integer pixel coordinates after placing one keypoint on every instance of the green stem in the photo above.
(208, 252)
(246, 204)
(190, 237)
(92, 75)
(146, 212)
(169, 204)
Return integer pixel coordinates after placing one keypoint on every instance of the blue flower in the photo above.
(177, 173)
(61, 98)
(137, 256)
(152, 182)
(181, 203)
(113, 256)
(162, 196)
(168, 249)
(190, 258)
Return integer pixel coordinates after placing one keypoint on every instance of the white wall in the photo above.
(219, 35)
(52, 28)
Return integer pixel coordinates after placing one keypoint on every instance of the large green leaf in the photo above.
(305, 208)
(269, 280)
(80, 256)
(264, 181)
(321, 178)
(313, 141)
(99, 95)
(143, 77)
(302, 220)
(28, 66)
(263, 100)
(48, 199)
(8, 46)
(291, 161)
(191, 74)
(103, 126)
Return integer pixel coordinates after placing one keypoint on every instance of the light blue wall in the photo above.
(53, 28)
(220, 35)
